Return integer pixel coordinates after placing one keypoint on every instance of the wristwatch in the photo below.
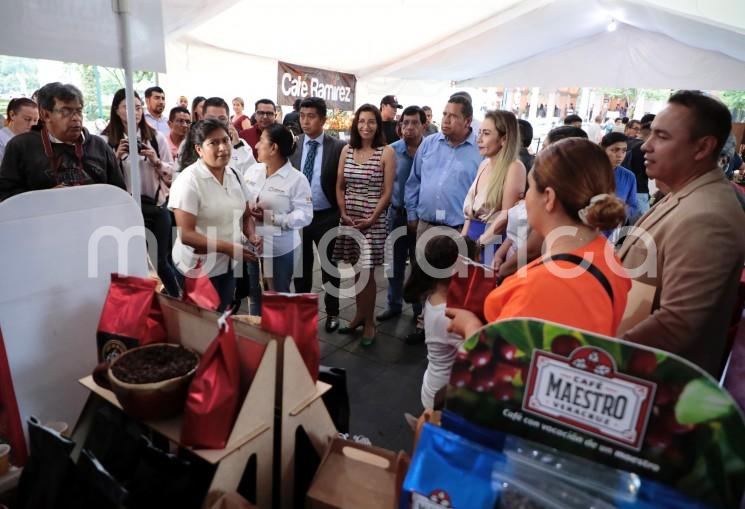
(238, 145)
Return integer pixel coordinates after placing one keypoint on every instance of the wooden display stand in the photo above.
(280, 381)
(301, 406)
(253, 432)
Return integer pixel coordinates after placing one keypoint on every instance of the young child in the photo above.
(441, 253)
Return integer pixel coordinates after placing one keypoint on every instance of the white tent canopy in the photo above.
(659, 43)
(82, 31)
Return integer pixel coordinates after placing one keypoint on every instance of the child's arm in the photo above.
(534, 245)
(501, 254)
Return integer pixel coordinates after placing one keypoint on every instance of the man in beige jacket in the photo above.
(695, 245)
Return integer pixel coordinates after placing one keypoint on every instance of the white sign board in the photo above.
(49, 304)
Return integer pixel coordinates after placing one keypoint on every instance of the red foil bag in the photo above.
(470, 285)
(200, 291)
(213, 399)
(11, 429)
(131, 317)
(296, 315)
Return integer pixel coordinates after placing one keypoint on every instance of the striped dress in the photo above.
(363, 189)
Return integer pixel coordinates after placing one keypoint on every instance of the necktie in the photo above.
(310, 160)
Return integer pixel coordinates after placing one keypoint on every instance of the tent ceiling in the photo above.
(628, 57)
(337, 34)
(443, 40)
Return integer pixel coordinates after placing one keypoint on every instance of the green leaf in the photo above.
(518, 333)
(701, 401)
(471, 342)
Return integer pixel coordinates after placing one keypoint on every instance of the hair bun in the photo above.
(605, 212)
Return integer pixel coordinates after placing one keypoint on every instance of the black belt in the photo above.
(434, 223)
(589, 267)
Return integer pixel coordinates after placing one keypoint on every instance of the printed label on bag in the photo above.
(436, 500)
(586, 392)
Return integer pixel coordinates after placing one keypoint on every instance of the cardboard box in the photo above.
(354, 476)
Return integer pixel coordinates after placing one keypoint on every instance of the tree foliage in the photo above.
(734, 99)
(18, 76)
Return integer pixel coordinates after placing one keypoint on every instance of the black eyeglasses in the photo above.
(69, 112)
(265, 113)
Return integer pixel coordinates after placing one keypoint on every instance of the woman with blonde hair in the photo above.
(240, 121)
(500, 180)
(578, 281)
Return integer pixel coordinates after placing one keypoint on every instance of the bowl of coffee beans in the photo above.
(151, 382)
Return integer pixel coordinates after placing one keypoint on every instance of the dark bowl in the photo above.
(157, 400)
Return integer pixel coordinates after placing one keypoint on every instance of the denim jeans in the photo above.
(225, 286)
(279, 269)
(475, 230)
(403, 248)
(158, 221)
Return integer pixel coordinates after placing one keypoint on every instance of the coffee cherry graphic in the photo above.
(482, 379)
(461, 374)
(480, 355)
(504, 372)
(503, 391)
(670, 424)
(508, 351)
(667, 394)
(658, 439)
(564, 345)
(642, 363)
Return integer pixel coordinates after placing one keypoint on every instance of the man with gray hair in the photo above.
(62, 153)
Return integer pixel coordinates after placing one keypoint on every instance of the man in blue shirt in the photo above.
(412, 132)
(615, 146)
(444, 168)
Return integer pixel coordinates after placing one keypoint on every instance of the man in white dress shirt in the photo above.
(317, 157)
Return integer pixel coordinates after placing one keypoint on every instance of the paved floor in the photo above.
(384, 380)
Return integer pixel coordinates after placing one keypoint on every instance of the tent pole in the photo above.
(122, 7)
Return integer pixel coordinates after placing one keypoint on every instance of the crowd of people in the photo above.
(251, 198)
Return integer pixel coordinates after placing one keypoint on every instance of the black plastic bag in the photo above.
(161, 479)
(114, 441)
(96, 488)
(337, 398)
(48, 478)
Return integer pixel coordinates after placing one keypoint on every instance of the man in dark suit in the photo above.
(317, 157)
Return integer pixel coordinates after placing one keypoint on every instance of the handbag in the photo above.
(470, 285)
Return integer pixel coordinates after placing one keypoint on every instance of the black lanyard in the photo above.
(56, 162)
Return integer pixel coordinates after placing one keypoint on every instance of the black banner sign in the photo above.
(299, 82)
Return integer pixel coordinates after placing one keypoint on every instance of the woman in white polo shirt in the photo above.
(281, 204)
(209, 201)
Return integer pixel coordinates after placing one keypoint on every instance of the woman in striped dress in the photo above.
(367, 169)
